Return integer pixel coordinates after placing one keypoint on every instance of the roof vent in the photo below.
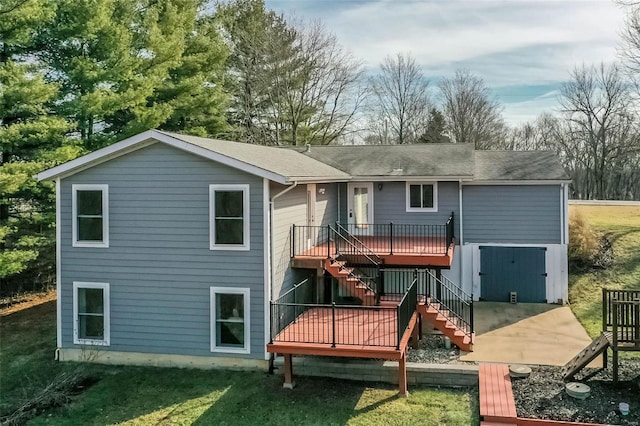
(308, 148)
(398, 170)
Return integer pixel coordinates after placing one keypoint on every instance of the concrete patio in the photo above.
(526, 333)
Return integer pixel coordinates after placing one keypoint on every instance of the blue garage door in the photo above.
(507, 269)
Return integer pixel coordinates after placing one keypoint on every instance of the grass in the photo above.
(141, 396)
(622, 225)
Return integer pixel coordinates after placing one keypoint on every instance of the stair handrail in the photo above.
(455, 307)
(450, 285)
(366, 280)
(373, 254)
(406, 308)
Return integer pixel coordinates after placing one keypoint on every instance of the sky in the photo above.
(523, 50)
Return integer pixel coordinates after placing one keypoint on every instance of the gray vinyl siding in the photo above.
(288, 209)
(326, 204)
(158, 264)
(522, 214)
(390, 204)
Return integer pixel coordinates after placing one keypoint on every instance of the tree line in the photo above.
(78, 75)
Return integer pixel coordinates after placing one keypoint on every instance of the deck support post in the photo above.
(415, 337)
(288, 372)
(402, 377)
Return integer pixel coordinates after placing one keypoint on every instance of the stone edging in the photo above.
(451, 375)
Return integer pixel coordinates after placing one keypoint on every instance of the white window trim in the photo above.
(246, 217)
(421, 209)
(105, 215)
(247, 323)
(107, 314)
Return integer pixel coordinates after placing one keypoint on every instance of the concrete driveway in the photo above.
(526, 333)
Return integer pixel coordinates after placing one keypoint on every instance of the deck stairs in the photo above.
(442, 319)
(351, 280)
(435, 310)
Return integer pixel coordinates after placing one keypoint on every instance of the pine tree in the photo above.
(125, 66)
(31, 139)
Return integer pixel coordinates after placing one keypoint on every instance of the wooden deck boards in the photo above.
(409, 251)
(368, 334)
(496, 396)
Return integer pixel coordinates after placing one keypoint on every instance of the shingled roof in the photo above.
(343, 163)
(518, 165)
(376, 161)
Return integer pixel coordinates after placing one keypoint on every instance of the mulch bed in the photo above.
(542, 396)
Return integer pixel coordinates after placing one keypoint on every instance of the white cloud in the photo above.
(508, 43)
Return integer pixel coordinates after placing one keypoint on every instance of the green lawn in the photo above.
(622, 225)
(141, 396)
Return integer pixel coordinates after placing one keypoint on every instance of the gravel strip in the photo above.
(543, 396)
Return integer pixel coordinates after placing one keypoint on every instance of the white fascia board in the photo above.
(112, 151)
(145, 139)
(318, 180)
(517, 182)
(410, 178)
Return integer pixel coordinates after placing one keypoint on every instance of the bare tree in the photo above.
(291, 82)
(400, 100)
(541, 134)
(601, 137)
(472, 114)
(322, 92)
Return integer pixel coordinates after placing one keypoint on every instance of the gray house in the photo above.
(186, 251)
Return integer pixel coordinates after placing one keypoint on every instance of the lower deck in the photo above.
(345, 332)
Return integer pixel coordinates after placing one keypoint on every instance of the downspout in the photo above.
(270, 236)
(461, 238)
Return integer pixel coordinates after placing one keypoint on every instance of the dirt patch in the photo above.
(14, 304)
(542, 396)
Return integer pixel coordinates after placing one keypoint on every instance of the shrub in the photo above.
(588, 249)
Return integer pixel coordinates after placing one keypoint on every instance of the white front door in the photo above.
(360, 207)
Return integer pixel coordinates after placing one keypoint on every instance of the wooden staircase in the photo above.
(350, 281)
(442, 320)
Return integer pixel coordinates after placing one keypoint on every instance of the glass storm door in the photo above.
(360, 206)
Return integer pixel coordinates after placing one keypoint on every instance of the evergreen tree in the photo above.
(436, 128)
(31, 139)
(125, 66)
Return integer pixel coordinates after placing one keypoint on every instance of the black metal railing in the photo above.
(372, 240)
(335, 324)
(394, 238)
(351, 247)
(446, 296)
(311, 241)
(288, 307)
(395, 282)
(450, 232)
(406, 308)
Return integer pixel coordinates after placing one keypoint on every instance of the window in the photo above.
(90, 205)
(91, 313)
(230, 320)
(229, 217)
(422, 197)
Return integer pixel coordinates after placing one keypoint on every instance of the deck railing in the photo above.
(373, 239)
(406, 308)
(296, 318)
(456, 302)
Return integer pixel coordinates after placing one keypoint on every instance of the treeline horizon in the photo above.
(79, 75)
